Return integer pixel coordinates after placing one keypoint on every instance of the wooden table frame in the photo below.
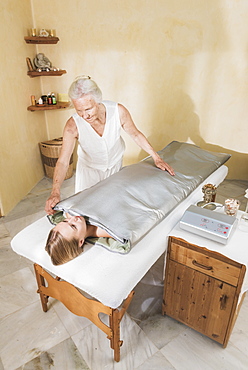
(78, 304)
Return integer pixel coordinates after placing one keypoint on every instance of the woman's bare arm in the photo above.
(69, 139)
(140, 139)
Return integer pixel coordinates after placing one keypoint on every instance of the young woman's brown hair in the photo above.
(61, 250)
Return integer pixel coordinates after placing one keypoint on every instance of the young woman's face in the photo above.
(87, 108)
(72, 227)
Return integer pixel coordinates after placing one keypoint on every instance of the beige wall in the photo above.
(180, 67)
(20, 130)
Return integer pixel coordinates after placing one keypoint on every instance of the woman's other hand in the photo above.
(51, 202)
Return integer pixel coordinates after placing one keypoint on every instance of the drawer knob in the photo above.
(197, 264)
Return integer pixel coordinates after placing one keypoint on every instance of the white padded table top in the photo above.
(106, 276)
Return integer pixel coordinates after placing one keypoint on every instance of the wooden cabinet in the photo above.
(201, 289)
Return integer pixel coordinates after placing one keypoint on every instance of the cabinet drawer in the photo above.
(208, 262)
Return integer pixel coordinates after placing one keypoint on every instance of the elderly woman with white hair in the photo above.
(96, 126)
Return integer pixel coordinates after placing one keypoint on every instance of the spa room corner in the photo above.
(181, 70)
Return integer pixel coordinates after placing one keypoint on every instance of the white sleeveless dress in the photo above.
(98, 156)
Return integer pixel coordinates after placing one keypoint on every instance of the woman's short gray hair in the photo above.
(84, 85)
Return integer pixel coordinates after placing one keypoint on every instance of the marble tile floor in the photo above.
(31, 339)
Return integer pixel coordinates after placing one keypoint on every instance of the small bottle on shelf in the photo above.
(33, 101)
(54, 101)
(44, 98)
(49, 99)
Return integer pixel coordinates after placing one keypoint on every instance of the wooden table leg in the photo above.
(114, 324)
(41, 282)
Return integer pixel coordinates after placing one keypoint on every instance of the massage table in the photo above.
(101, 281)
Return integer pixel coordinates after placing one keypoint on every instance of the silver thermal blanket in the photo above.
(131, 202)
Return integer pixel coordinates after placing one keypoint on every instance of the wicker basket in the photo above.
(50, 151)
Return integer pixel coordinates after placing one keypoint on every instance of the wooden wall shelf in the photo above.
(41, 40)
(31, 73)
(59, 105)
(44, 73)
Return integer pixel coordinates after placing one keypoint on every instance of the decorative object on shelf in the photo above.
(44, 98)
(209, 194)
(231, 206)
(40, 102)
(63, 97)
(49, 99)
(43, 33)
(33, 100)
(42, 63)
(245, 215)
(33, 32)
(29, 63)
(54, 100)
(52, 32)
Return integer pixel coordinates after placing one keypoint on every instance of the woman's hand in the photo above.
(163, 165)
(51, 202)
